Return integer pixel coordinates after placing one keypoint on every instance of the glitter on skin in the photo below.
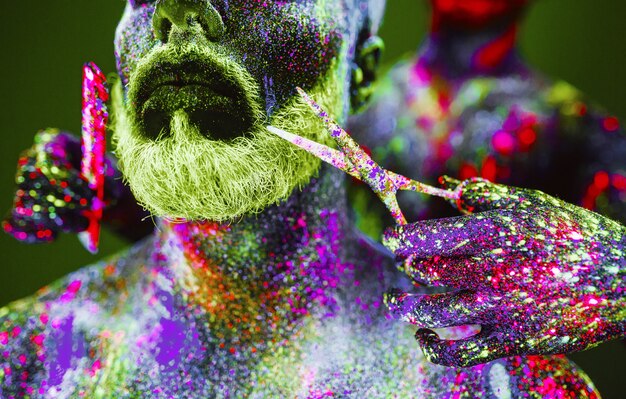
(538, 274)
(287, 303)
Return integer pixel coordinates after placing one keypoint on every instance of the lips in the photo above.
(215, 103)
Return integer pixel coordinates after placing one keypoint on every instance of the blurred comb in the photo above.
(93, 143)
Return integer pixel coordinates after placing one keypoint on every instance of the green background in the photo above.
(45, 43)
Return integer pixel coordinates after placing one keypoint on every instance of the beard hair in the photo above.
(184, 175)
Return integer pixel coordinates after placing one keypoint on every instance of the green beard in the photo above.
(186, 175)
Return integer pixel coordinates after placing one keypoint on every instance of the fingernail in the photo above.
(395, 297)
(425, 335)
(397, 301)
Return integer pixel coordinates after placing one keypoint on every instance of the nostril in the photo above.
(162, 29)
(166, 27)
(186, 15)
(190, 20)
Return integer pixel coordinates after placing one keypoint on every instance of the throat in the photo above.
(258, 279)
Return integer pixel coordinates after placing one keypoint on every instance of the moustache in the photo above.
(221, 96)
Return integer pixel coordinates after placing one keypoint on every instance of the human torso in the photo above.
(118, 329)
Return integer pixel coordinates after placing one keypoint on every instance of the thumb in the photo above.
(27, 231)
(479, 195)
(448, 183)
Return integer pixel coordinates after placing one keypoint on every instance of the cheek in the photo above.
(134, 39)
(284, 49)
(281, 44)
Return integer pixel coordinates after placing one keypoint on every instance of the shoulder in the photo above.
(56, 335)
(22, 325)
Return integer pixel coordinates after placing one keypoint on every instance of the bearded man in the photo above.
(254, 283)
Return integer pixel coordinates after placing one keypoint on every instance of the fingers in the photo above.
(487, 345)
(63, 151)
(50, 185)
(457, 273)
(454, 252)
(441, 310)
(449, 183)
(38, 218)
(480, 195)
(62, 147)
(28, 231)
(449, 237)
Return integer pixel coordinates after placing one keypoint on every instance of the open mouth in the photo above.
(215, 103)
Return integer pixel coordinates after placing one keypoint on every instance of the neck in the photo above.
(263, 274)
(459, 51)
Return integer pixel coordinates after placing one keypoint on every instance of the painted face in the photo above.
(202, 79)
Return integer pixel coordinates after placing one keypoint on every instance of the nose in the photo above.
(184, 14)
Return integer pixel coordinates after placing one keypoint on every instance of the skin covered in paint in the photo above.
(283, 303)
(538, 274)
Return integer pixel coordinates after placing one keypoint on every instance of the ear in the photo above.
(365, 70)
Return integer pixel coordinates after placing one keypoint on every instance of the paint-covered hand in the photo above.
(51, 195)
(540, 276)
